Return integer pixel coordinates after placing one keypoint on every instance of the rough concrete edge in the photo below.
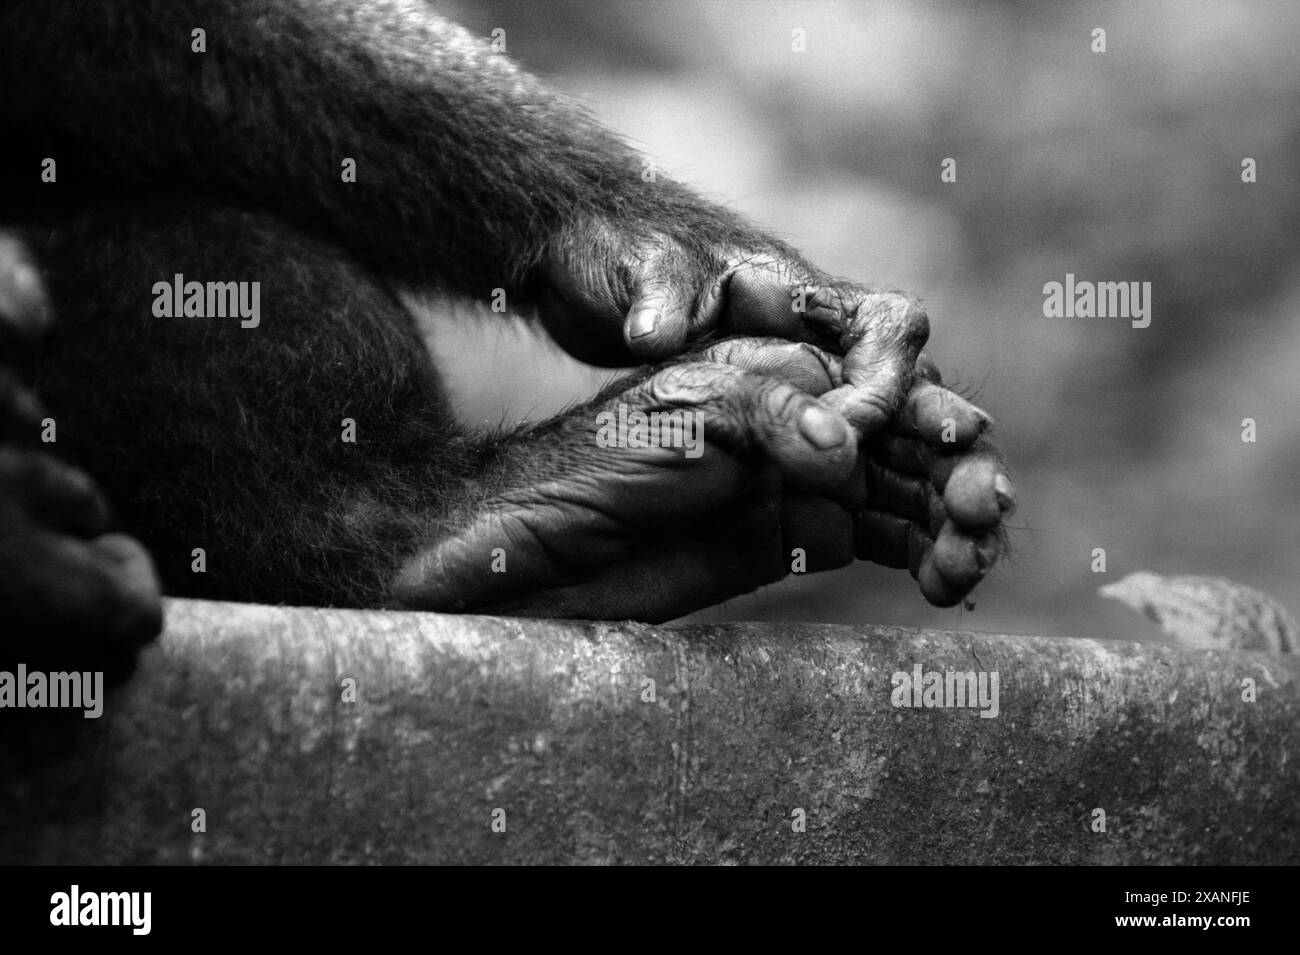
(753, 731)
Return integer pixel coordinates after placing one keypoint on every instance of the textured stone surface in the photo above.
(238, 712)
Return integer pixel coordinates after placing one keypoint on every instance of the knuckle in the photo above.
(894, 319)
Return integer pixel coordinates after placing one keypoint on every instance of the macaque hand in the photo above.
(620, 296)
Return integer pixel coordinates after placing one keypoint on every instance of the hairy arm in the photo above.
(446, 135)
(471, 174)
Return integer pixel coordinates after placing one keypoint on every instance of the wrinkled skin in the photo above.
(795, 456)
(616, 302)
(652, 533)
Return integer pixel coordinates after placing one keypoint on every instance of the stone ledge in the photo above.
(237, 711)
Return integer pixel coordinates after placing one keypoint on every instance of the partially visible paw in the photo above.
(72, 595)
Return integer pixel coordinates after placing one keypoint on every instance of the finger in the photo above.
(751, 295)
(586, 299)
(669, 310)
(812, 446)
(961, 559)
(939, 466)
(897, 453)
(853, 494)
(49, 493)
(941, 418)
(659, 321)
(757, 295)
(936, 588)
(890, 540)
(905, 495)
(804, 366)
(880, 345)
(65, 588)
(137, 616)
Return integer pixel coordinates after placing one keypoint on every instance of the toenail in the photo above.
(1006, 493)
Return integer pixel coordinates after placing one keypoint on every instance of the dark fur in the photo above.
(225, 165)
(467, 166)
(209, 435)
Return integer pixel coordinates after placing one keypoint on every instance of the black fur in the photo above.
(467, 166)
(206, 434)
(225, 165)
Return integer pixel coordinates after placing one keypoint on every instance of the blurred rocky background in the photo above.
(1115, 166)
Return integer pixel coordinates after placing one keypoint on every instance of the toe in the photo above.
(978, 494)
(941, 418)
(962, 559)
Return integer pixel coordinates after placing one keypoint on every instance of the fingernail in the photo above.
(1006, 493)
(822, 428)
(642, 322)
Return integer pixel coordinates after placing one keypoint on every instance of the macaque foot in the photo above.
(937, 492)
(709, 477)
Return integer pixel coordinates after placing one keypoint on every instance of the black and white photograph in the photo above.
(651, 433)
